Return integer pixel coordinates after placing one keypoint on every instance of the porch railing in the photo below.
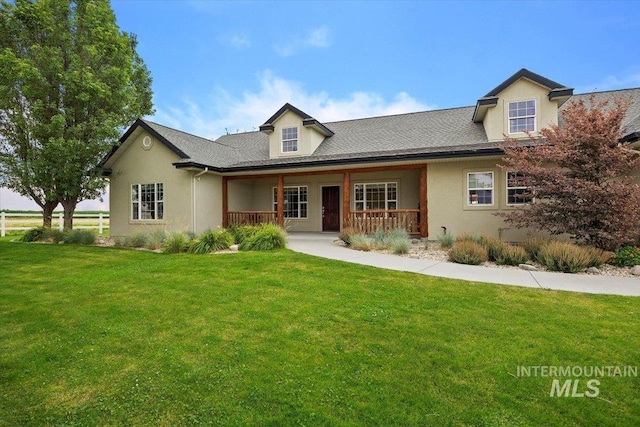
(251, 217)
(368, 222)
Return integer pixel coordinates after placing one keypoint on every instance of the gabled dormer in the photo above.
(524, 103)
(293, 132)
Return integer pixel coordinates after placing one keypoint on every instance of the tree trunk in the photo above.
(47, 213)
(69, 206)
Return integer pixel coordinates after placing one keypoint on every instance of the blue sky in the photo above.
(228, 66)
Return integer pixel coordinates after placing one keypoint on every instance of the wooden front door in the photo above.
(331, 208)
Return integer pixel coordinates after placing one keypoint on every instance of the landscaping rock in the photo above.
(233, 248)
(636, 270)
(528, 267)
(415, 241)
(593, 270)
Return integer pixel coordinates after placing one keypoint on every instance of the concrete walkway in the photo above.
(321, 244)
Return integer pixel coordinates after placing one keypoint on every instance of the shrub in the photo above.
(446, 240)
(400, 245)
(398, 233)
(211, 241)
(156, 239)
(598, 256)
(380, 239)
(512, 255)
(243, 232)
(495, 248)
(468, 252)
(564, 257)
(176, 243)
(533, 246)
(267, 237)
(54, 235)
(627, 256)
(82, 237)
(360, 242)
(346, 233)
(135, 240)
(475, 238)
(42, 234)
(34, 235)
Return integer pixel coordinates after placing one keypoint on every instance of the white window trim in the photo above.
(535, 120)
(364, 194)
(282, 140)
(156, 201)
(508, 187)
(275, 192)
(493, 190)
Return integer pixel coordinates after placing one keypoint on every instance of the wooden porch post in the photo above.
(225, 202)
(280, 213)
(424, 223)
(346, 199)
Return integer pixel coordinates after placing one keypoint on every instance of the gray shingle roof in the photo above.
(437, 133)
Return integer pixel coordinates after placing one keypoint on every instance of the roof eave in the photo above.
(561, 95)
(631, 138)
(482, 106)
(141, 123)
(451, 154)
(313, 123)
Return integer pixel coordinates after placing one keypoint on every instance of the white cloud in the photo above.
(316, 38)
(630, 78)
(210, 117)
(240, 41)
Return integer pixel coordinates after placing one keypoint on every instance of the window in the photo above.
(289, 140)
(517, 191)
(295, 201)
(147, 201)
(480, 188)
(378, 196)
(522, 116)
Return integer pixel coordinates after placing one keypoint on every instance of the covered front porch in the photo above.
(366, 199)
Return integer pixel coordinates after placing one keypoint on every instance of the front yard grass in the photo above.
(104, 336)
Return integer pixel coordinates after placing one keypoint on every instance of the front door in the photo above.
(331, 208)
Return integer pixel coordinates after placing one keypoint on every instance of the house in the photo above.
(421, 171)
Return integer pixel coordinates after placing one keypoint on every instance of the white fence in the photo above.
(7, 218)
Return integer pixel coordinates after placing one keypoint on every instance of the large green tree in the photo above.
(70, 81)
(581, 176)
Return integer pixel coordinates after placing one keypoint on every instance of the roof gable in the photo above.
(557, 91)
(307, 120)
(536, 78)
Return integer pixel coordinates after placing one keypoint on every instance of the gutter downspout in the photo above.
(195, 216)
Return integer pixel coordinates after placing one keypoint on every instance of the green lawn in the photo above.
(103, 336)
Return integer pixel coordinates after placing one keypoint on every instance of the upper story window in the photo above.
(289, 140)
(517, 191)
(522, 116)
(147, 201)
(480, 188)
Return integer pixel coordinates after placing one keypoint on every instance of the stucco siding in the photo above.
(208, 195)
(448, 205)
(496, 122)
(137, 165)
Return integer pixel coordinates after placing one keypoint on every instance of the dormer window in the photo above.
(522, 116)
(289, 140)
